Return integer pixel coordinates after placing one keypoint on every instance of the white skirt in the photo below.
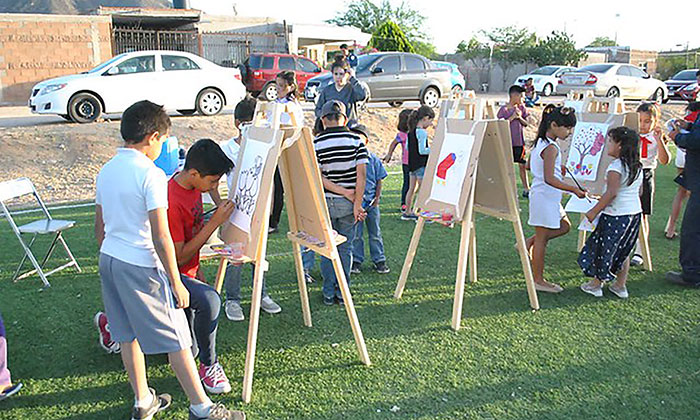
(680, 158)
(545, 211)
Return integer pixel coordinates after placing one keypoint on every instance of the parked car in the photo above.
(683, 85)
(394, 77)
(458, 81)
(259, 72)
(545, 79)
(614, 80)
(177, 80)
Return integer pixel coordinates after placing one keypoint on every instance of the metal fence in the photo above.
(135, 39)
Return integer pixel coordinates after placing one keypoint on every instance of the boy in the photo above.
(342, 158)
(7, 388)
(370, 203)
(345, 88)
(242, 116)
(531, 97)
(141, 287)
(516, 114)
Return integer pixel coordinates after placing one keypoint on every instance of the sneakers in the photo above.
(636, 260)
(105, 339)
(526, 193)
(268, 305)
(381, 267)
(619, 292)
(219, 412)
(677, 279)
(406, 216)
(10, 390)
(592, 290)
(329, 300)
(214, 379)
(233, 311)
(309, 279)
(160, 403)
(356, 268)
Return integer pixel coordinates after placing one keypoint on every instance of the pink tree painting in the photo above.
(585, 152)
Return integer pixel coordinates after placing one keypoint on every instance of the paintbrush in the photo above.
(575, 181)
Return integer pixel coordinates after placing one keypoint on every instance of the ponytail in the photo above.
(563, 116)
(419, 114)
(629, 150)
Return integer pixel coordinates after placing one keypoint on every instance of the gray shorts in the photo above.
(140, 306)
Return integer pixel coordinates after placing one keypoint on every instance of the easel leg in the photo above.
(349, 307)
(646, 251)
(301, 279)
(252, 333)
(220, 274)
(464, 244)
(472, 255)
(581, 237)
(525, 261)
(410, 255)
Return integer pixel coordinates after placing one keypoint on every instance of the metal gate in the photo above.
(135, 39)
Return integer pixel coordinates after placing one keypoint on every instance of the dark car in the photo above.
(394, 77)
(260, 69)
(679, 82)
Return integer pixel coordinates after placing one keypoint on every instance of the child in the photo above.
(243, 114)
(141, 287)
(653, 150)
(546, 213)
(531, 97)
(401, 138)
(370, 203)
(342, 158)
(692, 111)
(418, 151)
(345, 88)
(605, 257)
(517, 115)
(7, 388)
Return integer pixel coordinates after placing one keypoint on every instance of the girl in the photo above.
(605, 257)
(7, 388)
(418, 151)
(691, 114)
(546, 213)
(401, 138)
(653, 150)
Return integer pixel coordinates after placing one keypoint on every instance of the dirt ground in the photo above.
(63, 160)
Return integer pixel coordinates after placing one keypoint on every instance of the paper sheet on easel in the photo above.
(580, 205)
(453, 161)
(248, 187)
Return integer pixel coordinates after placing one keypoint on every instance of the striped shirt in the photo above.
(338, 152)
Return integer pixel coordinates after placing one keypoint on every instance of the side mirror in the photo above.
(377, 70)
(112, 71)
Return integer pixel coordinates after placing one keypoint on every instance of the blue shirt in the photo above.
(375, 173)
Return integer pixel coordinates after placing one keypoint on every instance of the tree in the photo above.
(511, 45)
(389, 37)
(557, 48)
(477, 53)
(602, 41)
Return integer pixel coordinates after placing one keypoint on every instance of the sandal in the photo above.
(548, 287)
(670, 237)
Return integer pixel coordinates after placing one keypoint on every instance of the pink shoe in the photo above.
(214, 378)
(105, 339)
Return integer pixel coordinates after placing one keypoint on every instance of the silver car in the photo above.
(614, 80)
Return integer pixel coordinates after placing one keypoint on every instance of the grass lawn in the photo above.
(577, 358)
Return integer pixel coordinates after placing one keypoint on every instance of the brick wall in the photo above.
(38, 47)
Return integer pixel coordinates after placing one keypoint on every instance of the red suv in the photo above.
(262, 68)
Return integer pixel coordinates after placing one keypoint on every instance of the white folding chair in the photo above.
(20, 187)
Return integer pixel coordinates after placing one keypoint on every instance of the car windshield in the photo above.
(597, 68)
(106, 64)
(365, 61)
(545, 71)
(685, 75)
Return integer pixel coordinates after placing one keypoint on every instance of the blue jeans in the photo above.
(343, 221)
(308, 258)
(203, 318)
(376, 244)
(530, 102)
(232, 282)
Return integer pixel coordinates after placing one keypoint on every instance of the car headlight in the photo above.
(691, 87)
(52, 88)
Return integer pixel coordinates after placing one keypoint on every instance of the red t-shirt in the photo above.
(185, 218)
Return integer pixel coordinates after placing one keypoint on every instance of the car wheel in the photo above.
(209, 102)
(186, 111)
(395, 104)
(84, 108)
(547, 90)
(613, 92)
(269, 92)
(430, 97)
(456, 91)
(658, 96)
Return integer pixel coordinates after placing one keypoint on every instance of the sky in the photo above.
(635, 22)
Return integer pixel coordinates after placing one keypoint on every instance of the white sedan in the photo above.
(544, 78)
(614, 80)
(178, 80)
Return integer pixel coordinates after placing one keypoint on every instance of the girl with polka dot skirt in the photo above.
(606, 255)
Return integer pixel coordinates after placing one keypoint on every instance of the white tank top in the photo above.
(539, 186)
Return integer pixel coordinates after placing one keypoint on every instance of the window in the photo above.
(545, 71)
(685, 75)
(413, 63)
(177, 62)
(136, 65)
(267, 63)
(623, 71)
(286, 63)
(391, 64)
(307, 66)
(636, 72)
(597, 68)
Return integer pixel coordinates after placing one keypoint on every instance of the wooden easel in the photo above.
(308, 219)
(601, 110)
(489, 188)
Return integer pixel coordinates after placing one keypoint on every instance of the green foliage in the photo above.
(389, 37)
(474, 50)
(558, 48)
(425, 48)
(602, 41)
(511, 46)
(667, 66)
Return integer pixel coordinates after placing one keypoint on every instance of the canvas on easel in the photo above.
(487, 185)
(290, 146)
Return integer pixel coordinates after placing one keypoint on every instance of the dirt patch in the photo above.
(63, 160)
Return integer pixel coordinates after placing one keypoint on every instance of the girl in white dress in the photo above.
(546, 213)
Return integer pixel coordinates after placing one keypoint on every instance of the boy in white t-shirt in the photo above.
(141, 287)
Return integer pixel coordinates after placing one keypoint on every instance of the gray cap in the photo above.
(333, 107)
